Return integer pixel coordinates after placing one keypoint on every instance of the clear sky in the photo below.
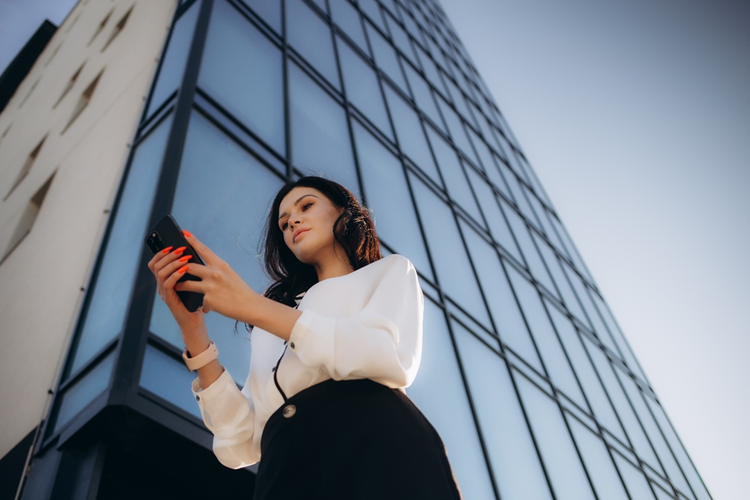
(636, 116)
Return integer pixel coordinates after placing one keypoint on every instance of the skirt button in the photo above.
(289, 411)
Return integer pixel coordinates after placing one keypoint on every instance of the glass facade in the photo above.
(526, 374)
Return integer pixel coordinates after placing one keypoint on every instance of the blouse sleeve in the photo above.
(382, 342)
(228, 413)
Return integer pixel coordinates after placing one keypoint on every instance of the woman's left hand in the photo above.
(222, 288)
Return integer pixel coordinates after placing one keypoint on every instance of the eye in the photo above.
(284, 226)
(306, 206)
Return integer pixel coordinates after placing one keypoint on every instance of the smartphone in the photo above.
(167, 233)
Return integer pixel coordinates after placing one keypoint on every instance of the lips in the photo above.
(297, 233)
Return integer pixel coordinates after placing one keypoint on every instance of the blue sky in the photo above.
(636, 117)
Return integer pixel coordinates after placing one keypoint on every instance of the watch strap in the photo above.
(202, 359)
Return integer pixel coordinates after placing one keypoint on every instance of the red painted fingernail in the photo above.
(187, 233)
(166, 250)
(182, 269)
(185, 258)
(179, 251)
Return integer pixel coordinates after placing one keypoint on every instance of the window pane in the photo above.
(106, 311)
(441, 396)
(78, 396)
(457, 130)
(514, 460)
(242, 71)
(617, 334)
(387, 195)
(347, 17)
(598, 462)
(385, 58)
(655, 436)
(564, 467)
(223, 196)
(268, 10)
(549, 346)
(492, 214)
(502, 303)
(423, 96)
(320, 136)
(453, 174)
(596, 396)
(370, 7)
(591, 313)
(173, 65)
(430, 70)
(624, 410)
(363, 89)
(400, 39)
(445, 243)
(411, 137)
(311, 37)
(550, 261)
(635, 481)
(530, 253)
(679, 452)
(483, 152)
(169, 379)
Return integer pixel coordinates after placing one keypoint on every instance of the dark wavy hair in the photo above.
(354, 230)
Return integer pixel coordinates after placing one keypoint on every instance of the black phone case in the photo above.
(167, 233)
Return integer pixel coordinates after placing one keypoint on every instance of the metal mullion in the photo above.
(134, 338)
(467, 388)
(287, 104)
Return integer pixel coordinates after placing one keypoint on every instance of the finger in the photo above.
(189, 285)
(158, 256)
(206, 254)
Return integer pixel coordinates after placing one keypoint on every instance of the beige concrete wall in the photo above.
(41, 280)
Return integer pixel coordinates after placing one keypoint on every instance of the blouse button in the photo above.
(289, 411)
(291, 345)
(197, 398)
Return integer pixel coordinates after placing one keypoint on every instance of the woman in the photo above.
(336, 338)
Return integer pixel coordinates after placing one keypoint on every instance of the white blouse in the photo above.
(366, 324)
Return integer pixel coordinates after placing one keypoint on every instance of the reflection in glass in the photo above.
(362, 88)
(596, 396)
(598, 462)
(387, 195)
(347, 17)
(441, 396)
(175, 58)
(563, 465)
(311, 37)
(411, 138)
(492, 214)
(514, 460)
(223, 196)
(320, 136)
(445, 243)
(78, 396)
(242, 71)
(168, 378)
(502, 303)
(106, 311)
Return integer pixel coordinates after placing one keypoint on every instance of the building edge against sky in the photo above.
(545, 396)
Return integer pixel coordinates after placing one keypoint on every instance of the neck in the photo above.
(333, 267)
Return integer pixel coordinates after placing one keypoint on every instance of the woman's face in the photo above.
(306, 219)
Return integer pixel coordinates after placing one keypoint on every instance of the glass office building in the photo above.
(525, 372)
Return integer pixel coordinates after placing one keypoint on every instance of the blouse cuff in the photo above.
(203, 395)
(312, 338)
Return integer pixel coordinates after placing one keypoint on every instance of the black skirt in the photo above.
(353, 440)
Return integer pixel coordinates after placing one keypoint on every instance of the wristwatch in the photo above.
(202, 359)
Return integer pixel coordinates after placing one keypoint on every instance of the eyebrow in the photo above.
(297, 203)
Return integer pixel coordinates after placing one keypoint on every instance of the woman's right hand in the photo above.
(165, 266)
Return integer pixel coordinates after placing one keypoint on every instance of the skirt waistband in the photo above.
(311, 398)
